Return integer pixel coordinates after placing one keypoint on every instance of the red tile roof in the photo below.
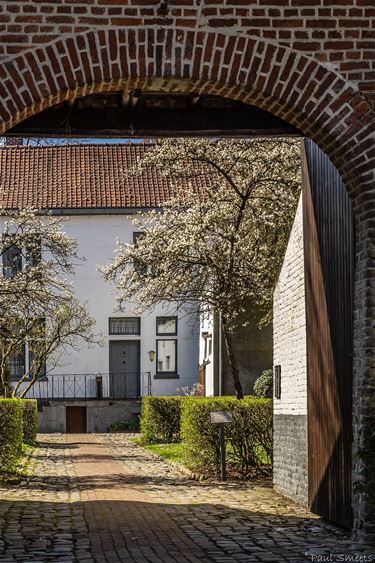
(79, 177)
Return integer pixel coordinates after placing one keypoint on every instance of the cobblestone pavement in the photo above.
(41, 518)
(101, 498)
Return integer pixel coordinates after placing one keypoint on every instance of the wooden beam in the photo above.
(135, 120)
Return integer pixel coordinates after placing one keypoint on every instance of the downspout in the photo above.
(220, 356)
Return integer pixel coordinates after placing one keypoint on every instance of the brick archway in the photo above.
(296, 87)
(289, 84)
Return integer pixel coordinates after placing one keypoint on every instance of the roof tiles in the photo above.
(79, 177)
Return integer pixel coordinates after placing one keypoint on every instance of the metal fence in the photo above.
(93, 386)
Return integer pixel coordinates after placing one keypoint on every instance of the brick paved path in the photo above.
(101, 498)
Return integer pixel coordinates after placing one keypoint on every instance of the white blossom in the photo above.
(220, 241)
(37, 303)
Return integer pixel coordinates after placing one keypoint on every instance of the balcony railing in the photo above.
(93, 386)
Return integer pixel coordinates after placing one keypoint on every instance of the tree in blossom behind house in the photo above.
(220, 241)
(37, 304)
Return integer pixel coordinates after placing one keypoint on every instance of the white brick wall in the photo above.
(289, 325)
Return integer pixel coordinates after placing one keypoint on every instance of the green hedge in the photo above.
(160, 419)
(30, 419)
(11, 431)
(248, 437)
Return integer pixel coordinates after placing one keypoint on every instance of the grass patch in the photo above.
(171, 452)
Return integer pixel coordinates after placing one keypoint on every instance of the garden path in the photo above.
(102, 498)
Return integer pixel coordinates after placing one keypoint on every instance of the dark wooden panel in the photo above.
(151, 114)
(328, 236)
(76, 420)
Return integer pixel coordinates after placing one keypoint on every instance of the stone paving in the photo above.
(101, 498)
(41, 518)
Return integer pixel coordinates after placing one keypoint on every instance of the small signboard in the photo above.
(220, 417)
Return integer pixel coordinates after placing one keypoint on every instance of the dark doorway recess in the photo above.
(147, 114)
(329, 270)
(76, 421)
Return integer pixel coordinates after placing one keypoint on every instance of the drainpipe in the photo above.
(220, 356)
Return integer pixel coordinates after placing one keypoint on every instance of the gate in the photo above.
(329, 259)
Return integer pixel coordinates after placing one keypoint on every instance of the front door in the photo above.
(124, 367)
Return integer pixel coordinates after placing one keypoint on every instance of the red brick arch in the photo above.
(290, 84)
(307, 93)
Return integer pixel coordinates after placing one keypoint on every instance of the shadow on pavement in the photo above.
(52, 531)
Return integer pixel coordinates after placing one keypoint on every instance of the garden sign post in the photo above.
(222, 418)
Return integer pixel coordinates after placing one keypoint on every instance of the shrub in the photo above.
(248, 437)
(127, 424)
(11, 430)
(160, 419)
(30, 419)
(263, 386)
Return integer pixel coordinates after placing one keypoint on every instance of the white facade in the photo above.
(96, 237)
(290, 465)
(289, 325)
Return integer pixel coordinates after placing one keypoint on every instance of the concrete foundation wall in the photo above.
(100, 414)
(290, 456)
(289, 333)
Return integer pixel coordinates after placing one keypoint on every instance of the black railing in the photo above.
(93, 386)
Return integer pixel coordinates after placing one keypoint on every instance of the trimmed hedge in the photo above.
(248, 437)
(160, 419)
(11, 431)
(30, 419)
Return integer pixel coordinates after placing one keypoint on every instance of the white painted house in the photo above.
(155, 353)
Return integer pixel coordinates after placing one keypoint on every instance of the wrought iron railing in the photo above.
(93, 386)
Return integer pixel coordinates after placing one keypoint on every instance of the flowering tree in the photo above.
(37, 304)
(220, 242)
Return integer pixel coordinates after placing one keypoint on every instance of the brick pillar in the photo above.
(364, 377)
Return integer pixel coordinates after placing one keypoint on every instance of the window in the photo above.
(12, 261)
(34, 344)
(166, 325)
(137, 236)
(16, 363)
(125, 325)
(166, 357)
(43, 370)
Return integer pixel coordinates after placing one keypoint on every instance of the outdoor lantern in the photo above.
(151, 355)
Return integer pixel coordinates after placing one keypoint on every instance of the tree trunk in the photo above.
(4, 379)
(232, 360)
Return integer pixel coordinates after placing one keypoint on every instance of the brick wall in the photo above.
(339, 33)
(289, 333)
(310, 62)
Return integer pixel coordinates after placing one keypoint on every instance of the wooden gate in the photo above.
(76, 420)
(329, 252)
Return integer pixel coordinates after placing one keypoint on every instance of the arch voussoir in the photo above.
(293, 86)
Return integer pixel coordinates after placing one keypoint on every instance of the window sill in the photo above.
(166, 375)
